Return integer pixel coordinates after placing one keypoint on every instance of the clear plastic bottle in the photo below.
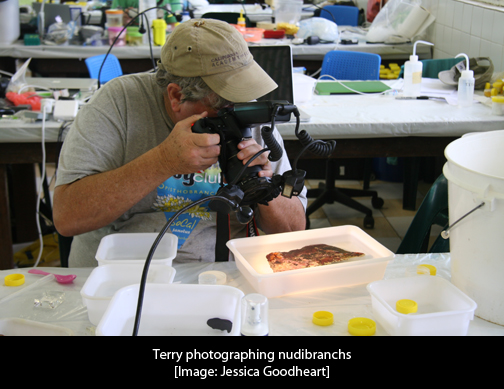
(254, 315)
(465, 93)
(413, 73)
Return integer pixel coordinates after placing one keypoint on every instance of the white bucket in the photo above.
(9, 21)
(475, 174)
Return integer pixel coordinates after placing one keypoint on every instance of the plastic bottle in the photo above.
(413, 73)
(241, 20)
(159, 27)
(254, 315)
(465, 92)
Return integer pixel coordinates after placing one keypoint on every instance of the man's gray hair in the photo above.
(192, 89)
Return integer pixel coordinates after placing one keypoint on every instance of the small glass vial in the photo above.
(254, 309)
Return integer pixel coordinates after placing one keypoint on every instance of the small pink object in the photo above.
(59, 278)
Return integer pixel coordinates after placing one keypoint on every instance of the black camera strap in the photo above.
(223, 235)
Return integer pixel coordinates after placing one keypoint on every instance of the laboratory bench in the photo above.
(288, 315)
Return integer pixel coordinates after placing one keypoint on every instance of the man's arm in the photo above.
(97, 200)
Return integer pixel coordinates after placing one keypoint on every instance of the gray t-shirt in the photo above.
(125, 119)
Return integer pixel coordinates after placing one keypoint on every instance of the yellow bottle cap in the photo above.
(406, 306)
(361, 326)
(323, 318)
(241, 18)
(421, 269)
(498, 99)
(14, 279)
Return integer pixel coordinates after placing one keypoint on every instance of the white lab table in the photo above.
(289, 315)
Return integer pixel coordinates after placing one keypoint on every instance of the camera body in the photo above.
(234, 124)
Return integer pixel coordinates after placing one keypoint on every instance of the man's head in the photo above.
(216, 53)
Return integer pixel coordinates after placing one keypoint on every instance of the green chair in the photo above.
(432, 211)
(432, 67)
(230, 17)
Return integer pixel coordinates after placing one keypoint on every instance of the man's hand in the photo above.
(249, 148)
(185, 152)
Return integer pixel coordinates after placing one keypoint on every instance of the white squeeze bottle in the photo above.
(465, 93)
(413, 73)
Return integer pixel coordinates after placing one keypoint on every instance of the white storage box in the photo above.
(23, 327)
(442, 308)
(105, 280)
(250, 255)
(303, 87)
(174, 309)
(134, 248)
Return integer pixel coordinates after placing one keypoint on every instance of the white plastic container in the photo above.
(173, 310)
(465, 92)
(288, 11)
(250, 255)
(475, 174)
(22, 327)
(9, 21)
(134, 248)
(104, 281)
(303, 87)
(442, 308)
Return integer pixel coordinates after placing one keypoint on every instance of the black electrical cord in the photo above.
(143, 282)
(124, 28)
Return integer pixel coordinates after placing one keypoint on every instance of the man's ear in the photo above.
(174, 96)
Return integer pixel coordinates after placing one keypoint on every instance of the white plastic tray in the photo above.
(250, 256)
(104, 281)
(173, 309)
(442, 308)
(135, 247)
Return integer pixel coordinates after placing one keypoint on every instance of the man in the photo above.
(131, 153)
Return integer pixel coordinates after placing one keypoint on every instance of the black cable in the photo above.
(143, 282)
(124, 28)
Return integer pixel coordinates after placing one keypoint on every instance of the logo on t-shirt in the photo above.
(181, 191)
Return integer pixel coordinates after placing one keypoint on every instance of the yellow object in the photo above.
(14, 279)
(290, 29)
(361, 326)
(241, 20)
(498, 99)
(159, 27)
(406, 306)
(432, 269)
(498, 84)
(323, 318)
(27, 256)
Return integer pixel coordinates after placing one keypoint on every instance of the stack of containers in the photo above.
(115, 27)
(121, 260)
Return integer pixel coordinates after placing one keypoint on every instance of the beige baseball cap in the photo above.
(218, 53)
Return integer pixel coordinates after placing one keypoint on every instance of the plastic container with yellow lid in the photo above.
(498, 105)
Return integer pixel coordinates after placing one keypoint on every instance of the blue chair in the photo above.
(347, 65)
(350, 65)
(111, 68)
(342, 15)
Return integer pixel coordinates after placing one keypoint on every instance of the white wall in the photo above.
(466, 27)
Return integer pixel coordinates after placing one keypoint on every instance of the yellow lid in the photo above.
(498, 99)
(432, 269)
(361, 326)
(406, 306)
(323, 318)
(114, 11)
(14, 279)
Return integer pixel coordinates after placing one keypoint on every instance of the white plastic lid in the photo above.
(467, 74)
(413, 58)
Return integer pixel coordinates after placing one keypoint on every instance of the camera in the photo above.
(234, 124)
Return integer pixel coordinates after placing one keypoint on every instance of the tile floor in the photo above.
(391, 221)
